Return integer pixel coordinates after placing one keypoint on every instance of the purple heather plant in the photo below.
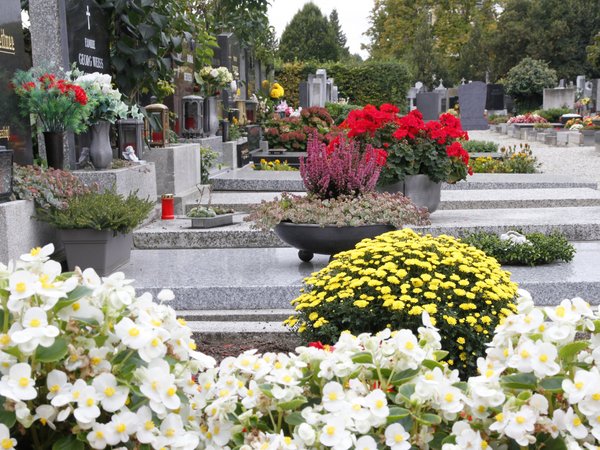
(330, 171)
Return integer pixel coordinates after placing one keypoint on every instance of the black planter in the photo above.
(54, 149)
(327, 240)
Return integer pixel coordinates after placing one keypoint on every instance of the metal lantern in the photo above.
(6, 173)
(193, 116)
(251, 107)
(241, 107)
(157, 125)
(131, 133)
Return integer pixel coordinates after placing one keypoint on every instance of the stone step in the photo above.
(577, 223)
(209, 284)
(247, 179)
(451, 199)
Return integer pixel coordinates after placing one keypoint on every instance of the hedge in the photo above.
(366, 83)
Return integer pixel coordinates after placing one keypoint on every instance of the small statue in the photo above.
(84, 158)
(129, 154)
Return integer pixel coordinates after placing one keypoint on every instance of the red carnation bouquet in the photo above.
(58, 103)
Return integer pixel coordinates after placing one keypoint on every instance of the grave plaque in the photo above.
(243, 154)
(15, 133)
(88, 37)
(303, 94)
(429, 104)
(471, 98)
(495, 97)
(253, 137)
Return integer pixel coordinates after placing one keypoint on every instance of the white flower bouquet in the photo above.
(214, 79)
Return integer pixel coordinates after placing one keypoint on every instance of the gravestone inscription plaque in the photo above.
(471, 98)
(495, 97)
(15, 133)
(87, 34)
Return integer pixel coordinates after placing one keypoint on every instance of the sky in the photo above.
(353, 14)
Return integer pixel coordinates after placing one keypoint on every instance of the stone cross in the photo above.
(88, 14)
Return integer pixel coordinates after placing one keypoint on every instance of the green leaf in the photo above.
(431, 364)
(13, 351)
(571, 349)
(293, 404)
(76, 294)
(519, 381)
(294, 418)
(547, 442)
(68, 443)
(397, 413)
(267, 389)
(440, 354)
(552, 384)
(363, 358)
(8, 418)
(404, 376)
(429, 419)
(55, 352)
(406, 390)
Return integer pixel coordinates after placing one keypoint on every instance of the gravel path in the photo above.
(581, 162)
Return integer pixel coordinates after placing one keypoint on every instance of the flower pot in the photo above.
(101, 153)
(327, 240)
(54, 149)
(422, 191)
(212, 222)
(103, 250)
(211, 121)
(588, 137)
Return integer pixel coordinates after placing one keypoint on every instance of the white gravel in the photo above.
(583, 163)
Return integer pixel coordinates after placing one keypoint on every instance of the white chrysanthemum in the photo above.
(18, 384)
(35, 332)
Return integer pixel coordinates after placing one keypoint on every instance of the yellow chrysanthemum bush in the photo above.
(391, 280)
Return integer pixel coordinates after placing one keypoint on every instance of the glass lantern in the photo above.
(131, 133)
(6, 174)
(193, 114)
(251, 111)
(157, 125)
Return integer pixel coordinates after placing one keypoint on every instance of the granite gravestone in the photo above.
(15, 133)
(471, 98)
(429, 104)
(87, 36)
(303, 94)
(495, 97)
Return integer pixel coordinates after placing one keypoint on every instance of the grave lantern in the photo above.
(157, 125)
(131, 133)
(193, 115)
(6, 173)
(251, 111)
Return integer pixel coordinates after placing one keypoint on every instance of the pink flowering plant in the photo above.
(527, 118)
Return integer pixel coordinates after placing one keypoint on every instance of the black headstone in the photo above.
(495, 97)
(303, 94)
(243, 154)
(471, 98)
(88, 36)
(253, 137)
(429, 104)
(228, 54)
(15, 132)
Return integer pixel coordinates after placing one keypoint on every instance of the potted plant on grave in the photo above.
(341, 207)
(57, 104)
(212, 80)
(106, 108)
(420, 156)
(96, 228)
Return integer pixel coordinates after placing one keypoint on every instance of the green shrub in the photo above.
(553, 114)
(99, 211)
(526, 82)
(339, 111)
(542, 249)
(361, 83)
(208, 158)
(497, 119)
(480, 146)
(389, 281)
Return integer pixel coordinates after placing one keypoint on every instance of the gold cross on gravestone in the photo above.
(88, 14)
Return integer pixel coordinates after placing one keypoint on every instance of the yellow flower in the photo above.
(361, 303)
(277, 91)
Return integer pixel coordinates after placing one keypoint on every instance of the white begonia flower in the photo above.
(87, 406)
(116, 290)
(559, 333)
(590, 405)
(147, 431)
(569, 421)
(131, 334)
(451, 399)
(46, 415)
(38, 254)
(306, 434)
(408, 345)
(97, 436)
(171, 432)
(165, 295)
(69, 394)
(81, 309)
(98, 361)
(35, 332)
(250, 395)
(520, 425)
(333, 397)
(57, 383)
(543, 361)
(539, 403)
(6, 442)
(376, 401)
(18, 384)
(396, 437)
(155, 348)
(50, 289)
(365, 443)
(22, 284)
(158, 385)
(23, 414)
(334, 434)
(90, 279)
(466, 437)
(565, 313)
(515, 238)
(524, 301)
(522, 358)
(112, 396)
(120, 427)
(583, 383)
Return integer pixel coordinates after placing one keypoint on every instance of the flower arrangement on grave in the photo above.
(275, 165)
(527, 118)
(214, 79)
(514, 159)
(389, 281)
(270, 102)
(413, 146)
(292, 133)
(340, 180)
(56, 101)
(106, 101)
(585, 123)
(86, 362)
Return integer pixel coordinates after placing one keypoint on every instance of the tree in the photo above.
(527, 80)
(593, 55)
(309, 36)
(340, 37)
